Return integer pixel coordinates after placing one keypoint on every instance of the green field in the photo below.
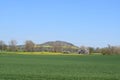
(59, 67)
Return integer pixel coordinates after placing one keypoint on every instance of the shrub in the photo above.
(110, 50)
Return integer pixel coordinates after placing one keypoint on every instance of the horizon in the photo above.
(89, 22)
(17, 43)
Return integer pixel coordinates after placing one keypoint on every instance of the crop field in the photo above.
(59, 67)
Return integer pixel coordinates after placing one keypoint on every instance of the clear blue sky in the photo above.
(81, 22)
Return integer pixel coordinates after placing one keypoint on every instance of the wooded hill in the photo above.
(57, 46)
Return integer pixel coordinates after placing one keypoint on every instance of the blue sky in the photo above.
(82, 22)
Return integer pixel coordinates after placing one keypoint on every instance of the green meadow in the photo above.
(59, 67)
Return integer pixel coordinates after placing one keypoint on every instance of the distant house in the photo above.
(83, 50)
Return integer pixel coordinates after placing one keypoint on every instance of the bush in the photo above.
(110, 50)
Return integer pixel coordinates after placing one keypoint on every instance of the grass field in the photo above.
(59, 67)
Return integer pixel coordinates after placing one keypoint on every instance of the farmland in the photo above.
(59, 67)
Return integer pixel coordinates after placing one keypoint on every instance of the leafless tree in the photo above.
(3, 46)
(57, 47)
(29, 46)
(13, 45)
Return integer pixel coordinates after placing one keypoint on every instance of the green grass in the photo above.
(59, 67)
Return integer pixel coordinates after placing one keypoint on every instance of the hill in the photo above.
(58, 46)
(61, 43)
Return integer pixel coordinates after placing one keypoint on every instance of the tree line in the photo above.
(12, 46)
(30, 46)
(109, 50)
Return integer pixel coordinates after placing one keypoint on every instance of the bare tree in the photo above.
(57, 47)
(29, 46)
(3, 46)
(13, 45)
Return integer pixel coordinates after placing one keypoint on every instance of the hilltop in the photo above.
(60, 43)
